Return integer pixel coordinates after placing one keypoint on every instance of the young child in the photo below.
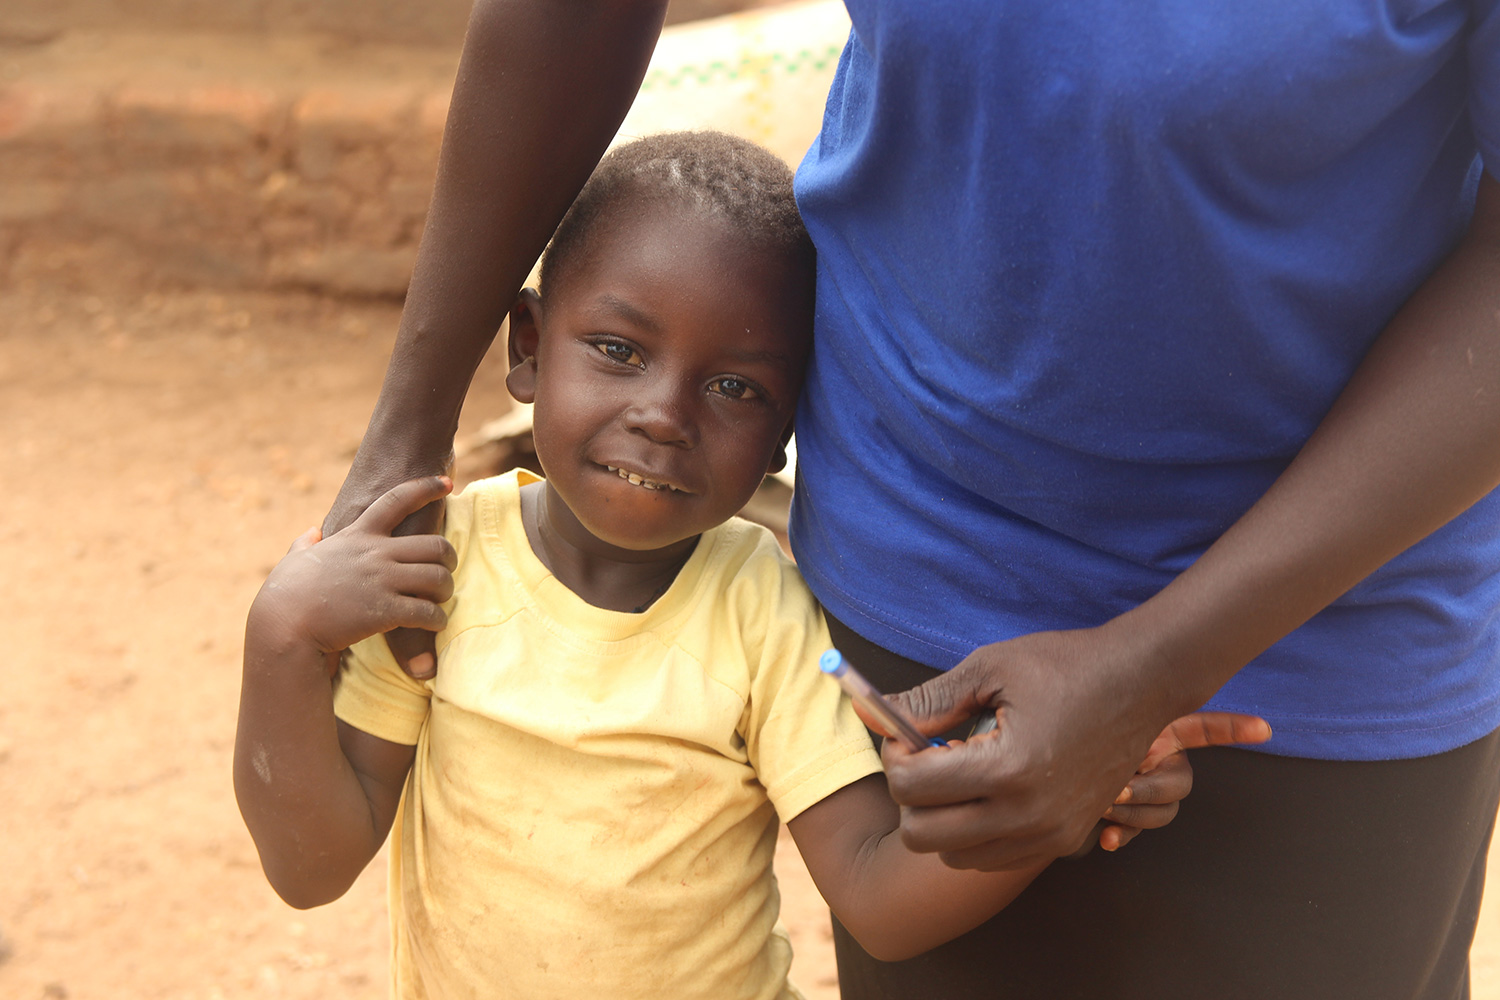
(585, 797)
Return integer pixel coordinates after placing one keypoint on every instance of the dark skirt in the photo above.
(1280, 879)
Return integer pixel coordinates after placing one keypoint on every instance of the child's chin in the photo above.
(643, 533)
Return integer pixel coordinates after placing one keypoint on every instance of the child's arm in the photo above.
(898, 904)
(318, 795)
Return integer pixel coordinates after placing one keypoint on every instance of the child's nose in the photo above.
(664, 419)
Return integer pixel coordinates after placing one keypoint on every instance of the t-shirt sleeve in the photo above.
(376, 696)
(1484, 81)
(801, 733)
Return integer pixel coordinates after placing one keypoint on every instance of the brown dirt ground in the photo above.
(158, 454)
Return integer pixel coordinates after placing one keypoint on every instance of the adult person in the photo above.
(1157, 363)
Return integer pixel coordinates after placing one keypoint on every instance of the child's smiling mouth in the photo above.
(639, 480)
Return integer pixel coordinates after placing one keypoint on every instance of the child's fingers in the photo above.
(1212, 729)
(1149, 801)
(400, 502)
(1113, 837)
(1206, 729)
(429, 581)
(1143, 817)
(414, 612)
(423, 549)
(1170, 780)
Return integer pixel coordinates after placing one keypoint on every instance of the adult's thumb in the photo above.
(1206, 729)
(415, 649)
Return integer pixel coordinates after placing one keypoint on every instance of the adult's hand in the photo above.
(1076, 716)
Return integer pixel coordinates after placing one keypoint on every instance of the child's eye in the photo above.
(623, 353)
(733, 388)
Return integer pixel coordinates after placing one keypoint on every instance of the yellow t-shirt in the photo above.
(592, 809)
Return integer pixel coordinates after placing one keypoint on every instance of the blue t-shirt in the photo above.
(1089, 275)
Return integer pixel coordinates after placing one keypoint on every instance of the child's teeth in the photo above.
(637, 480)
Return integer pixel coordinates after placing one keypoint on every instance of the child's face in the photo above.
(665, 371)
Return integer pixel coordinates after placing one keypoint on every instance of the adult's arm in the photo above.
(1411, 442)
(542, 87)
(541, 90)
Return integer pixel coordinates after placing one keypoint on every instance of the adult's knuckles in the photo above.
(942, 698)
(927, 700)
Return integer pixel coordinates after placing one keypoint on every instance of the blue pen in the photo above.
(891, 718)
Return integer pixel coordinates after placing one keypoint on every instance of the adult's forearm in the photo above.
(542, 88)
(1411, 442)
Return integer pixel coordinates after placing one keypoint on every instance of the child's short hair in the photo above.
(717, 173)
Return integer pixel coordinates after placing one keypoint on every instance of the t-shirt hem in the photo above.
(1308, 737)
(887, 635)
(1356, 739)
(367, 714)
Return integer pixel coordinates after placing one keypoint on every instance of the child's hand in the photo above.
(1164, 778)
(361, 581)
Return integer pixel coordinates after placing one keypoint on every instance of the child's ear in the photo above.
(525, 334)
(778, 457)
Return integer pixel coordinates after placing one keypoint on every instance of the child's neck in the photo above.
(604, 575)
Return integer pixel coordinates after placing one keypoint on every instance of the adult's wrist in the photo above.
(1161, 654)
(398, 445)
(386, 458)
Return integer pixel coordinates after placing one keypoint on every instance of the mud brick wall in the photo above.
(249, 160)
(406, 22)
(226, 180)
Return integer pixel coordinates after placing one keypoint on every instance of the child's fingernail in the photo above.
(1123, 797)
(423, 665)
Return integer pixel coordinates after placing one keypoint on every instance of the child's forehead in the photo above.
(677, 218)
(671, 228)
